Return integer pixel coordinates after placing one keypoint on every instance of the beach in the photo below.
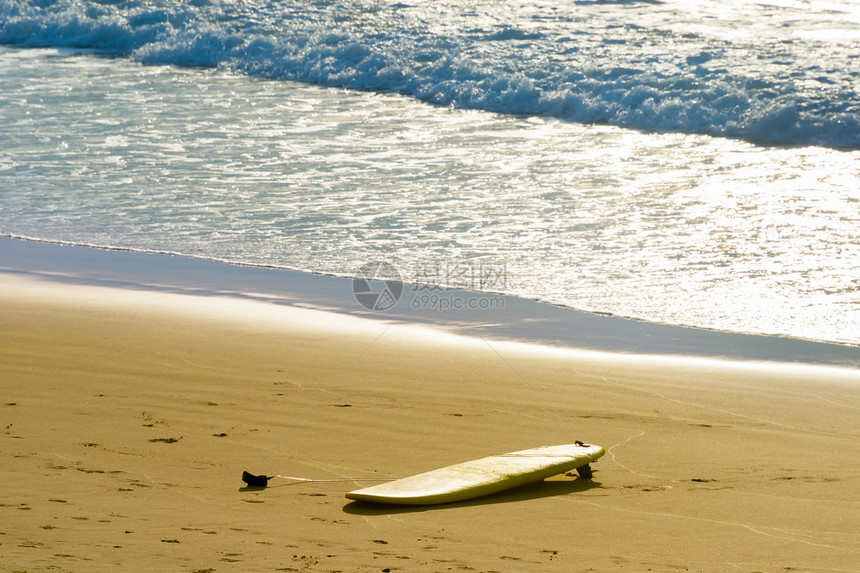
(129, 416)
(339, 243)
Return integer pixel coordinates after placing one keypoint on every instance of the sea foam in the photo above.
(762, 74)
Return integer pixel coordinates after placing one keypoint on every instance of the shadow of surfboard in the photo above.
(525, 492)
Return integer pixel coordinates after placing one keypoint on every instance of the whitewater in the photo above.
(770, 71)
(693, 163)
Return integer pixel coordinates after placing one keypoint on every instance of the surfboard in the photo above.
(483, 476)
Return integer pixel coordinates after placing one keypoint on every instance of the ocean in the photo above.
(691, 163)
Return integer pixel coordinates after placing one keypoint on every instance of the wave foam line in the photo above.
(567, 68)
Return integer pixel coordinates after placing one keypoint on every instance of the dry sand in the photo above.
(128, 417)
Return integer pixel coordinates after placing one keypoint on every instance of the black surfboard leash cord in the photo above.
(261, 481)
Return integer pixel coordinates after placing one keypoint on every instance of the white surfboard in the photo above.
(481, 477)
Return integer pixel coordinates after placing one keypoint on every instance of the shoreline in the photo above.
(129, 415)
(491, 316)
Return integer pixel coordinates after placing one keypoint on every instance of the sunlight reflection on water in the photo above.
(685, 229)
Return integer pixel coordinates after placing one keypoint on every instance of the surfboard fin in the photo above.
(585, 471)
(255, 481)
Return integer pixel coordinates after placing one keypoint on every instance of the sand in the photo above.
(127, 419)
